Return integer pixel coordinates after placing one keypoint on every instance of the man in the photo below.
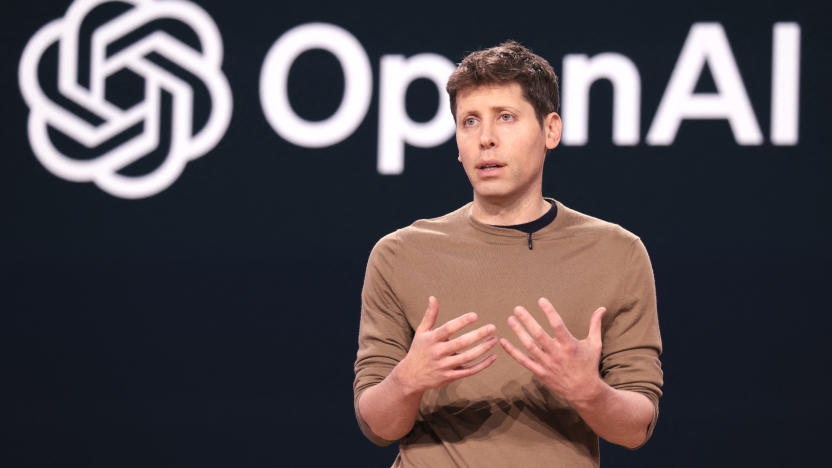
(518, 268)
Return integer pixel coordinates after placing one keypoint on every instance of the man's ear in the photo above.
(459, 157)
(552, 126)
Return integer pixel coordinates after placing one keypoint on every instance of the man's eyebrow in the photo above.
(497, 108)
(503, 107)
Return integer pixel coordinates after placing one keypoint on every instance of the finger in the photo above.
(429, 320)
(466, 340)
(559, 330)
(454, 325)
(521, 357)
(595, 325)
(461, 359)
(473, 368)
(531, 345)
(535, 330)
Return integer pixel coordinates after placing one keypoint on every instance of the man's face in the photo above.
(501, 143)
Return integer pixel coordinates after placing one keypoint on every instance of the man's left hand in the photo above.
(566, 365)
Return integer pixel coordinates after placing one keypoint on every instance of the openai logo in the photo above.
(169, 75)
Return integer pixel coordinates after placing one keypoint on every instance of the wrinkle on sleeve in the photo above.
(384, 334)
(632, 341)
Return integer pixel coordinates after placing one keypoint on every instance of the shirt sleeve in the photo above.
(384, 334)
(631, 339)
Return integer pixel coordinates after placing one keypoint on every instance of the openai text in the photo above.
(706, 44)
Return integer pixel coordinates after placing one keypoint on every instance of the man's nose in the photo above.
(487, 137)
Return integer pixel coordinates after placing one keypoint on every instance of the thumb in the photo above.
(429, 320)
(595, 325)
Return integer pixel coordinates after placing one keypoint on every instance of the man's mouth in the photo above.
(489, 165)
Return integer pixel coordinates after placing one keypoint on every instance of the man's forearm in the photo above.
(618, 416)
(389, 407)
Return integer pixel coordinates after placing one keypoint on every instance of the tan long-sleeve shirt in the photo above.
(504, 416)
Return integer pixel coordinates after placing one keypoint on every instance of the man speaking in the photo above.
(570, 299)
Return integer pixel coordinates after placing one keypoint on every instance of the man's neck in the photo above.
(510, 213)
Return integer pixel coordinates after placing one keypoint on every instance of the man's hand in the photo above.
(435, 360)
(566, 365)
(569, 367)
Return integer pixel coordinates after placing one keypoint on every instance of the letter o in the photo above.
(274, 80)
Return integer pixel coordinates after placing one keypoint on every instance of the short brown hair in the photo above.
(506, 63)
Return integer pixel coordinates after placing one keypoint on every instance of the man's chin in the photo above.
(493, 196)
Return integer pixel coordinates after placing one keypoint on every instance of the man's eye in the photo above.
(506, 117)
(470, 121)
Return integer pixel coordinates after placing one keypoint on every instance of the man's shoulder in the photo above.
(426, 230)
(429, 228)
(576, 223)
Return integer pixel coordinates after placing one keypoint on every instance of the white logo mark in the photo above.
(204, 64)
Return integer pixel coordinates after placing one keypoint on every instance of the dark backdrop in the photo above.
(214, 324)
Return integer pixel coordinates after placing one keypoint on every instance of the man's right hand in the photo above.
(434, 359)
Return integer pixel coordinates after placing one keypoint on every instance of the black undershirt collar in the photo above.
(537, 224)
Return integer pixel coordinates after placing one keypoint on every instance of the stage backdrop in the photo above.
(191, 190)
